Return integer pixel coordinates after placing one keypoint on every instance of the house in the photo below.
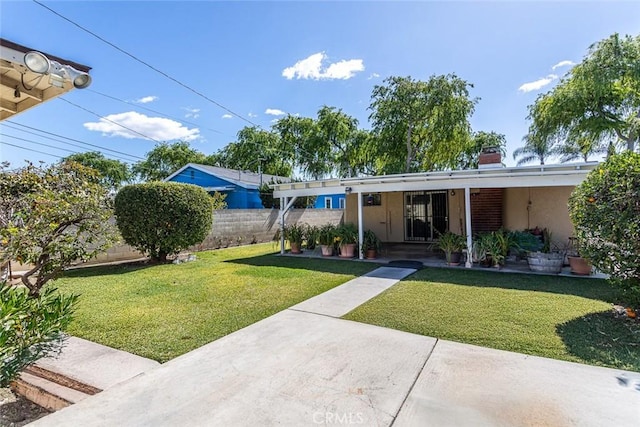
(330, 201)
(22, 77)
(240, 187)
(417, 207)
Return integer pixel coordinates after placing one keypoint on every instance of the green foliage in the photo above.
(524, 242)
(51, 217)
(30, 327)
(537, 147)
(347, 233)
(113, 173)
(294, 233)
(605, 211)
(481, 141)
(450, 243)
(494, 245)
(163, 218)
(165, 159)
(370, 241)
(311, 233)
(420, 125)
(327, 234)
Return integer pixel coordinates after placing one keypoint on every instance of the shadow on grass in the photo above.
(325, 265)
(601, 339)
(598, 289)
(104, 270)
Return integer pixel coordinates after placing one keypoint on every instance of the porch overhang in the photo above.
(527, 176)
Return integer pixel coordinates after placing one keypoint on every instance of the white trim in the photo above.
(469, 232)
(330, 200)
(360, 225)
(342, 203)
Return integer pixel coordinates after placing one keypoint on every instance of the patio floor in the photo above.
(424, 253)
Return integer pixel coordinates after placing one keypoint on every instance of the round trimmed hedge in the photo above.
(605, 211)
(163, 218)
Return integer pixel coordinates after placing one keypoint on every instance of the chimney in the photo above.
(490, 158)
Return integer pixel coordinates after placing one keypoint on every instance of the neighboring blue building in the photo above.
(240, 187)
(330, 201)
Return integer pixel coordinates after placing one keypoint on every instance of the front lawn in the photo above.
(163, 311)
(558, 317)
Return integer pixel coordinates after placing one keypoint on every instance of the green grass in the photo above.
(557, 317)
(163, 311)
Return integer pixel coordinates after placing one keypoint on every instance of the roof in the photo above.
(522, 176)
(32, 88)
(243, 179)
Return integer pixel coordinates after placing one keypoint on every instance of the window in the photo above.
(341, 202)
(372, 199)
(327, 202)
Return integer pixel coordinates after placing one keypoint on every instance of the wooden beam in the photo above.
(7, 105)
(11, 83)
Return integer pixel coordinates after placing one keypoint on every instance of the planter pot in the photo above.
(545, 263)
(295, 248)
(579, 266)
(371, 254)
(454, 258)
(327, 250)
(347, 250)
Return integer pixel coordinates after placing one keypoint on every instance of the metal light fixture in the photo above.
(40, 64)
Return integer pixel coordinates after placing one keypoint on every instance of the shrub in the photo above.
(30, 327)
(605, 211)
(163, 218)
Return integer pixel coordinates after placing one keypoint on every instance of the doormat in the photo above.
(405, 263)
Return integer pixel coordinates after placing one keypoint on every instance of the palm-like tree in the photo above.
(581, 147)
(536, 148)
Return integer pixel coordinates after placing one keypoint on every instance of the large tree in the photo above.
(114, 173)
(537, 147)
(598, 101)
(421, 125)
(480, 140)
(166, 158)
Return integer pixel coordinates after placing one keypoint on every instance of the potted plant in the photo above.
(545, 260)
(348, 240)
(294, 233)
(326, 239)
(578, 264)
(452, 244)
(311, 233)
(370, 244)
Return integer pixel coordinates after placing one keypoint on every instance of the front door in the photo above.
(425, 215)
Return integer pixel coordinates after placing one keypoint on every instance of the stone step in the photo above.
(46, 393)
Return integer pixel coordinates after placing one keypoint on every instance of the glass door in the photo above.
(426, 215)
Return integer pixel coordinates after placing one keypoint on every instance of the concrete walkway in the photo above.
(306, 367)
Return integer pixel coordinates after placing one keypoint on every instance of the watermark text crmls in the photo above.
(337, 418)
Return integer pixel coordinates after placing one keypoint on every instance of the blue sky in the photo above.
(261, 59)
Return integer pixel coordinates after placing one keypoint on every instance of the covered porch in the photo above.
(416, 208)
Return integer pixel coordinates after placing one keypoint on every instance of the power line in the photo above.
(70, 139)
(109, 120)
(146, 64)
(31, 149)
(151, 110)
(40, 143)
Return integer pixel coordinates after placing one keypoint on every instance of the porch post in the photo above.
(282, 212)
(467, 218)
(360, 230)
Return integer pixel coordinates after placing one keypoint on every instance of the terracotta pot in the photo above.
(327, 250)
(371, 254)
(347, 250)
(579, 266)
(295, 248)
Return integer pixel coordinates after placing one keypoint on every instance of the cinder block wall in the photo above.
(233, 227)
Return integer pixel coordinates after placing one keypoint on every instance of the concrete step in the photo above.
(46, 393)
(62, 379)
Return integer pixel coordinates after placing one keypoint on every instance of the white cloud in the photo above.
(192, 112)
(274, 112)
(227, 116)
(157, 128)
(253, 116)
(146, 99)
(538, 84)
(311, 68)
(565, 63)
(373, 76)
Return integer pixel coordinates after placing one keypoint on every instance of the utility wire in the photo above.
(40, 143)
(31, 149)
(189, 88)
(108, 120)
(70, 139)
(151, 110)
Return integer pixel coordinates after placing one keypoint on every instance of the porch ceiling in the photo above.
(527, 176)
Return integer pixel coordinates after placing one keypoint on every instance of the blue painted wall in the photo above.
(335, 201)
(238, 198)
